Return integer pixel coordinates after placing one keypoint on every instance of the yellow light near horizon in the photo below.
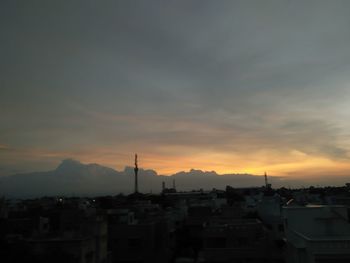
(293, 163)
(308, 166)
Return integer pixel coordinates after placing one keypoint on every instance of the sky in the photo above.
(230, 86)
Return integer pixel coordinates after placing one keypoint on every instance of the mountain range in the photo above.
(74, 178)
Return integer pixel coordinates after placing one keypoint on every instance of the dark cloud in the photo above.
(230, 77)
(4, 147)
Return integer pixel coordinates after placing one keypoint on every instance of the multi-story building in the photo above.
(146, 238)
(317, 234)
(240, 240)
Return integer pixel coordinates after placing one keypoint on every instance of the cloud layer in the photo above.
(231, 86)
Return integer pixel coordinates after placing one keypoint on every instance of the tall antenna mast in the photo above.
(266, 183)
(136, 169)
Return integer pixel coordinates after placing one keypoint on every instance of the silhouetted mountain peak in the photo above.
(128, 170)
(195, 172)
(69, 165)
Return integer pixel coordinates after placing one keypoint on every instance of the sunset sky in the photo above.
(231, 86)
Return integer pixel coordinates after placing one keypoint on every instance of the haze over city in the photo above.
(225, 86)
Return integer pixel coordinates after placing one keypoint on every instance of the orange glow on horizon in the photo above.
(227, 164)
(293, 164)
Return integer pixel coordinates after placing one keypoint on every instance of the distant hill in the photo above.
(74, 178)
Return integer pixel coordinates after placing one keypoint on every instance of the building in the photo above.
(317, 234)
(240, 240)
(140, 233)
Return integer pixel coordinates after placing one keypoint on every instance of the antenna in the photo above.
(136, 169)
(267, 185)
